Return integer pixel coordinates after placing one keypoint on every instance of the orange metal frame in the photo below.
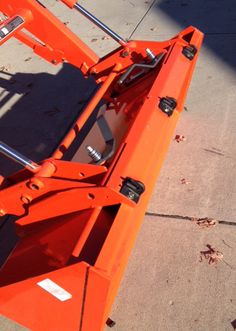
(75, 225)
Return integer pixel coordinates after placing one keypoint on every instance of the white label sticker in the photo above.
(54, 289)
(5, 31)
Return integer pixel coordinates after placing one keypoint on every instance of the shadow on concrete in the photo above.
(46, 108)
(215, 18)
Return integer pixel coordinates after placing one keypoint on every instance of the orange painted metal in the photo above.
(52, 40)
(69, 3)
(76, 225)
(26, 15)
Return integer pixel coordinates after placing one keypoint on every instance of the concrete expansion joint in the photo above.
(186, 218)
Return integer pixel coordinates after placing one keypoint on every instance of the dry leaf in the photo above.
(179, 138)
(28, 59)
(93, 40)
(205, 222)
(212, 255)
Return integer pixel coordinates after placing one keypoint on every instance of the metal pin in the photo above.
(150, 54)
(94, 154)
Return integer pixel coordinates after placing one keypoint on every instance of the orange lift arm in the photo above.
(76, 221)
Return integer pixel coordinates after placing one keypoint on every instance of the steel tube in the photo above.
(18, 157)
(100, 24)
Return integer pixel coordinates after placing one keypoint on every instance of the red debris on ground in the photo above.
(179, 138)
(205, 222)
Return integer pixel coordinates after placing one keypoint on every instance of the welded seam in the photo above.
(185, 218)
(83, 299)
(135, 29)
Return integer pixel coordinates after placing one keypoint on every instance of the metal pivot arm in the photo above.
(53, 176)
(74, 200)
(13, 199)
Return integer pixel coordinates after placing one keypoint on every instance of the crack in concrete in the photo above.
(214, 152)
(141, 20)
(185, 218)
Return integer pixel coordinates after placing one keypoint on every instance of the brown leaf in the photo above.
(212, 255)
(93, 40)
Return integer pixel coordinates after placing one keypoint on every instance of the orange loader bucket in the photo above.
(79, 211)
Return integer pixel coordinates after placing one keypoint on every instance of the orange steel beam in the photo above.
(79, 221)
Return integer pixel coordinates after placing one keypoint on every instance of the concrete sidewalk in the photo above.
(165, 287)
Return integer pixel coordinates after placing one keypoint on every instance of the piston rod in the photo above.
(100, 24)
(18, 157)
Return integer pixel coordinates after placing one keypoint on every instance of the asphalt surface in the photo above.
(169, 284)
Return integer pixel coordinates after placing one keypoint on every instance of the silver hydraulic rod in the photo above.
(100, 24)
(18, 157)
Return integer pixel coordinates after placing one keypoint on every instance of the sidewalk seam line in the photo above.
(186, 218)
(141, 20)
